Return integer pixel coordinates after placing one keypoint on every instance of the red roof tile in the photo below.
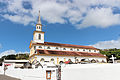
(65, 45)
(69, 53)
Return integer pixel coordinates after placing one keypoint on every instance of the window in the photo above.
(40, 46)
(42, 59)
(39, 36)
(39, 27)
(52, 59)
(56, 47)
(77, 49)
(71, 49)
(94, 50)
(89, 50)
(69, 59)
(48, 47)
(83, 49)
(64, 48)
(34, 47)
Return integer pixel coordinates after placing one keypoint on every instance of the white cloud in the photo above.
(9, 52)
(19, 19)
(108, 44)
(100, 18)
(98, 13)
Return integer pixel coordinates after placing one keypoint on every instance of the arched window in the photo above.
(89, 50)
(71, 49)
(40, 46)
(42, 59)
(34, 47)
(93, 61)
(56, 47)
(64, 48)
(39, 36)
(69, 59)
(52, 59)
(48, 47)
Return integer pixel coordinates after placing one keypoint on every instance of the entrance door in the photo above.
(48, 75)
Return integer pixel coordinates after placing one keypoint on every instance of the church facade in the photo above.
(57, 53)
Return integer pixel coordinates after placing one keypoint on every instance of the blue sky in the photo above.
(79, 22)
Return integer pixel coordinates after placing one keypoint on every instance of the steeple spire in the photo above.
(39, 20)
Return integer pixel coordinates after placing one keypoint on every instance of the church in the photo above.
(56, 53)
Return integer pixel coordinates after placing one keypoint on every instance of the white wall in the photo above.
(61, 58)
(67, 48)
(91, 72)
(30, 74)
(1, 70)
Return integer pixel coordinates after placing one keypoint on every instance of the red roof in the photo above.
(7, 64)
(66, 62)
(65, 45)
(69, 53)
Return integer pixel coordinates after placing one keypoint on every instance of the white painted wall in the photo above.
(1, 70)
(31, 74)
(91, 72)
(71, 72)
(67, 49)
(35, 37)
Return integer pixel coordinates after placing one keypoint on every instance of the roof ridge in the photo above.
(72, 45)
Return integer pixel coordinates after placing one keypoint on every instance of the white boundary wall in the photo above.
(90, 72)
(31, 74)
(27, 74)
(1, 70)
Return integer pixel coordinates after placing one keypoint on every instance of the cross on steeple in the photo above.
(39, 20)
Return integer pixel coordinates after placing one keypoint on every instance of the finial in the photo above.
(39, 21)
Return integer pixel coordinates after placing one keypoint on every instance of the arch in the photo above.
(97, 61)
(61, 62)
(85, 61)
(39, 36)
(93, 61)
(77, 60)
(103, 61)
(69, 59)
(52, 59)
(42, 59)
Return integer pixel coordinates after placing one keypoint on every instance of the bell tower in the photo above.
(39, 25)
(38, 35)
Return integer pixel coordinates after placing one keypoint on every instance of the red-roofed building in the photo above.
(57, 52)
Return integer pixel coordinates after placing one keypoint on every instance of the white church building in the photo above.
(59, 53)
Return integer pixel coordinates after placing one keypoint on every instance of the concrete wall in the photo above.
(1, 70)
(30, 74)
(91, 72)
(71, 72)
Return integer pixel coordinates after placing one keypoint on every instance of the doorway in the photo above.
(48, 75)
